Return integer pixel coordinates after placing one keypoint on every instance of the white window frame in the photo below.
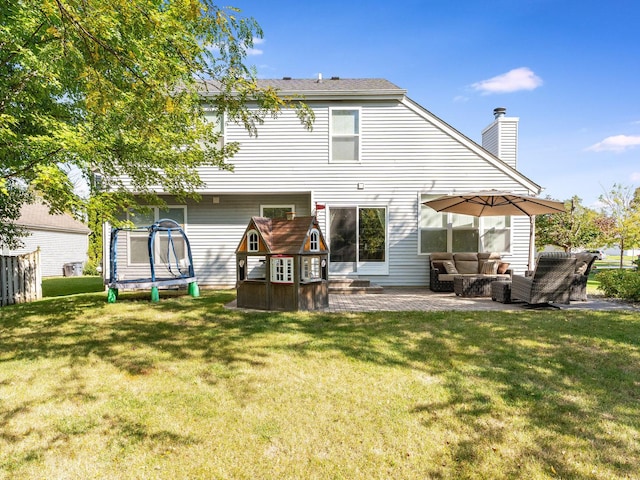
(250, 241)
(281, 269)
(363, 267)
(310, 269)
(314, 240)
(212, 117)
(450, 228)
(292, 208)
(157, 215)
(357, 135)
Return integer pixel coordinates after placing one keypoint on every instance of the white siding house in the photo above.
(60, 238)
(372, 158)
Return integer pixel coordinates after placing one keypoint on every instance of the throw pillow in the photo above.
(450, 267)
(503, 267)
(490, 267)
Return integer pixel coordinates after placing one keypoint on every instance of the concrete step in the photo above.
(353, 286)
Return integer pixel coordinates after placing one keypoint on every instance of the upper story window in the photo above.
(218, 124)
(345, 134)
(253, 244)
(314, 240)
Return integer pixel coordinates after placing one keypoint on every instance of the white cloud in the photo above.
(460, 99)
(514, 80)
(616, 143)
(253, 50)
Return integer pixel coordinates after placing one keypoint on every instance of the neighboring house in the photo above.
(372, 158)
(61, 239)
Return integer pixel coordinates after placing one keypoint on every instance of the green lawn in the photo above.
(188, 389)
(61, 286)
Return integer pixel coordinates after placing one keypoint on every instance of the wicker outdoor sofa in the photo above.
(444, 266)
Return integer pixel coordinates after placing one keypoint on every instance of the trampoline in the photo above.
(166, 264)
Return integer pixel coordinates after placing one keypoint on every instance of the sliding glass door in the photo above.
(358, 240)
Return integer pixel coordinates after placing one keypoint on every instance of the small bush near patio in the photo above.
(620, 283)
(186, 388)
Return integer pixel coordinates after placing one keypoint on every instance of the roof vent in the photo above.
(499, 112)
(335, 78)
(319, 78)
(286, 78)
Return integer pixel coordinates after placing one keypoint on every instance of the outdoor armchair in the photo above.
(550, 282)
(584, 263)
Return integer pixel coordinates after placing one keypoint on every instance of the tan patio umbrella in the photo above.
(497, 203)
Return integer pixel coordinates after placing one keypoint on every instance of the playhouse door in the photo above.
(358, 240)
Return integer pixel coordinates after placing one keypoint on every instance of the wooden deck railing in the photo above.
(20, 278)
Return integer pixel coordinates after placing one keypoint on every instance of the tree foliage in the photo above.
(12, 196)
(576, 227)
(113, 88)
(621, 225)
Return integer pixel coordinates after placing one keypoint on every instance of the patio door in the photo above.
(358, 240)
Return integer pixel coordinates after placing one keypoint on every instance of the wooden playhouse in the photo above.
(281, 264)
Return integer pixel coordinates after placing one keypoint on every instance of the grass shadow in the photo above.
(555, 371)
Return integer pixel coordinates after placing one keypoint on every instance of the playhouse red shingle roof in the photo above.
(282, 236)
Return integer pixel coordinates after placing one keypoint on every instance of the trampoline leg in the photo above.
(194, 291)
(112, 295)
(155, 295)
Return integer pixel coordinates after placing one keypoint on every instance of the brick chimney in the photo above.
(501, 137)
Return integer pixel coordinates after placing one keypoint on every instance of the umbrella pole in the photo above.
(532, 242)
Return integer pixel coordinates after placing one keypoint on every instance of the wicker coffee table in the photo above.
(473, 286)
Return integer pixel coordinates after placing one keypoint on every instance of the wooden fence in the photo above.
(20, 278)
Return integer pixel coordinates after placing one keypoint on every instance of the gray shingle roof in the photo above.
(333, 86)
(36, 216)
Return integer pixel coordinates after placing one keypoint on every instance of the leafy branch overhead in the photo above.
(114, 87)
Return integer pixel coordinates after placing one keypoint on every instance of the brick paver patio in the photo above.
(423, 299)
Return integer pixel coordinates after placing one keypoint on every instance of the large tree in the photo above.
(113, 88)
(621, 226)
(576, 227)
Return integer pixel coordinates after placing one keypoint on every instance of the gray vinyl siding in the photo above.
(404, 153)
(215, 230)
(56, 249)
(501, 139)
(509, 143)
(490, 139)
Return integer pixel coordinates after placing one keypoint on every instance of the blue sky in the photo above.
(569, 69)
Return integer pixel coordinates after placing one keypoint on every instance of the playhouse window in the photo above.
(282, 269)
(253, 244)
(314, 240)
(255, 268)
(345, 134)
(310, 269)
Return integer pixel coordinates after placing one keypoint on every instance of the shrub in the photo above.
(620, 283)
(91, 268)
